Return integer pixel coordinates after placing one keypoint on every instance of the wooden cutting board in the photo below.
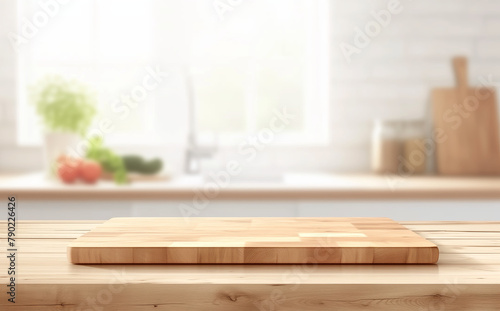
(251, 241)
(466, 127)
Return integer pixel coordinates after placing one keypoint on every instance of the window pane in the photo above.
(67, 36)
(280, 85)
(106, 44)
(125, 30)
(257, 65)
(261, 56)
(220, 97)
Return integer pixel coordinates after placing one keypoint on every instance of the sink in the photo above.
(252, 178)
(258, 179)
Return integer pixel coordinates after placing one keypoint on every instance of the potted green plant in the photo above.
(67, 108)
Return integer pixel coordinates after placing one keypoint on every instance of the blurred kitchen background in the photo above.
(318, 89)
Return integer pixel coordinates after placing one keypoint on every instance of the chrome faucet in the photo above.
(194, 152)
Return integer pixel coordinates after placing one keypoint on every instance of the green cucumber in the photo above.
(137, 164)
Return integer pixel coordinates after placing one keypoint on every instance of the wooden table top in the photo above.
(293, 187)
(467, 277)
(262, 240)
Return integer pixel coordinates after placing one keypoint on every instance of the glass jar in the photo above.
(386, 146)
(398, 147)
(414, 151)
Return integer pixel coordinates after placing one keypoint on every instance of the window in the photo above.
(243, 60)
(96, 43)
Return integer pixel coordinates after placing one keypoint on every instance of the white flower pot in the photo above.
(57, 144)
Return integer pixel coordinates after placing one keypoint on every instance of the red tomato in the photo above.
(90, 171)
(67, 173)
(77, 164)
(69, 168)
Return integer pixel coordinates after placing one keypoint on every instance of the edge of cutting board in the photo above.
(312, 255)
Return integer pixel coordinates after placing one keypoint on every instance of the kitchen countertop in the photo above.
(291, 187)
(466, 277)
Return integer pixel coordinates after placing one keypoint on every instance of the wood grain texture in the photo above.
(251, 241)
(466, 126)
(466, 278)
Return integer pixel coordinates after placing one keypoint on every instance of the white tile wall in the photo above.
(7, 86)
(392, 76)
(488, 49)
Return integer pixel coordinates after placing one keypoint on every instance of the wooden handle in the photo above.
(460, 68)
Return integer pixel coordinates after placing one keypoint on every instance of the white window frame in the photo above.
(316, 105)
